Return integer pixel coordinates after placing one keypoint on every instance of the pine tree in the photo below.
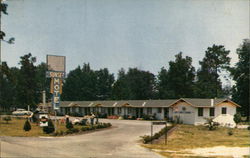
(50, 128)
(69, 125)
(241, 74)
(178, 80)
(27, 126)
(208, 83)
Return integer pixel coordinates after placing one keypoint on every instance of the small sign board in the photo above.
(55, 74)
(43, 119)
(159, 123)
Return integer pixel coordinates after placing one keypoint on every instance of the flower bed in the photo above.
(82, 129)
(113, 117)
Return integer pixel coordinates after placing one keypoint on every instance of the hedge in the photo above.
(83, 129)
(146, 139)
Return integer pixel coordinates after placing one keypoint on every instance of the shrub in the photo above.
(74, 130)
(147, 138)
(211, 124)
(58, 133)
(83, 122)
(85, 128)
(69, 125)
(103, 115)
(50, 128)
(27, 126)
(7, 119)
(237, 118)
(107, 124)
(69, 131)
(146, 117)
(230, 132)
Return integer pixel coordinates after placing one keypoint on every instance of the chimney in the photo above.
(212, 102)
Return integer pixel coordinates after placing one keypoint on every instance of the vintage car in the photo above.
(21, 112)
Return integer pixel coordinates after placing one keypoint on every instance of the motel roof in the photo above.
(118, 103)
(196, 102)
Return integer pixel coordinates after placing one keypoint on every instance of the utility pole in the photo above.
(44, 100)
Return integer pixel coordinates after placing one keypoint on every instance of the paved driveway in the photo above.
(122, 140)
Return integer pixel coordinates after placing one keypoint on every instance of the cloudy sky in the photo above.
(123, 33)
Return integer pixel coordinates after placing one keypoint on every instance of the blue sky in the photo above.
(123, 33)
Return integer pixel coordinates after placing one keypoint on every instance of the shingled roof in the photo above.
(118, 103)
(197, 102)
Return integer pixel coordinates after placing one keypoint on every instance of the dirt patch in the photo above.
(221, 151)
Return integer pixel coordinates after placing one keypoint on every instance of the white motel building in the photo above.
(187, 110)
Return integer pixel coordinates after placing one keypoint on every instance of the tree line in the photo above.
(23, 86)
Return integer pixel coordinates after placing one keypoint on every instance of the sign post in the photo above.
(159, 123)
(56, 71)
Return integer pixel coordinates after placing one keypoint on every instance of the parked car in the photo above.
(21, 112)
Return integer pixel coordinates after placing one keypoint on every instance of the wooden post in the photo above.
(55, 121)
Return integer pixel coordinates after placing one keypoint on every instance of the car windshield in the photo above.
(20, 110)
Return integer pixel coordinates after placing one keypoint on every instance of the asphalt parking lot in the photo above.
(122, 140)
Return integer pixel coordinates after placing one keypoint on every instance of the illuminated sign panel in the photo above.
(56, 63)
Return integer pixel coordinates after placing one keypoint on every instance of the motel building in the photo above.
(185, 110)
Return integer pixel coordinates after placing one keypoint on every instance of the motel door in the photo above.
(110, 111)
(139, 112)
(166, 112)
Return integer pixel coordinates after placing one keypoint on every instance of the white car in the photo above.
(21, 112)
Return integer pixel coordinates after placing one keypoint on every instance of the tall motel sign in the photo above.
(56, 72)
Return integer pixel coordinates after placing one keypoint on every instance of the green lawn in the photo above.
(15, 128)
(189, 136)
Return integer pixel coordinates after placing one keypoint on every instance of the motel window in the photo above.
(211, 112)
(81, 110)
(200, 111)
(102, 110)
(224, 110)
(159, 110)
(129, 110)
(149, 110)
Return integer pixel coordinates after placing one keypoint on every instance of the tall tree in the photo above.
(104, 83)
(141, 84)
(241, 76)
(135, 84)
(43, 83)
(27, 89)
(162, 84)
(81, 84)
(178, 81)
(71, 88)
(120, 90)
(7, 87)
(208, 83)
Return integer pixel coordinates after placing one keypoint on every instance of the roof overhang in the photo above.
(180, 100)
(227, 100)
